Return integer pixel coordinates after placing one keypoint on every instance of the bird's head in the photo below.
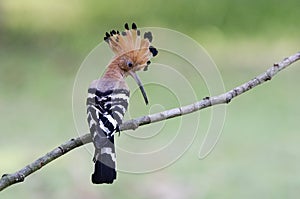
(132, 52)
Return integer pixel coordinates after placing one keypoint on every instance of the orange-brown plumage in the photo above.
(132, 52)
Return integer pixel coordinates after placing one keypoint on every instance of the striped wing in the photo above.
(105, 113)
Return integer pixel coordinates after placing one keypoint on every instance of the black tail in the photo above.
(105, 167)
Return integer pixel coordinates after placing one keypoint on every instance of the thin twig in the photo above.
(19, 176)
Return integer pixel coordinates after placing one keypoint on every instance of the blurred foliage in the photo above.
(33, 20)
(42, 44)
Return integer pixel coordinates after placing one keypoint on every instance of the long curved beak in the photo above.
(138, 81)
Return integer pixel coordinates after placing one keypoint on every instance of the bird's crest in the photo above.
(130, 43)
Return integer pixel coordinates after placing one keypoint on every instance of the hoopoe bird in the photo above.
(108, 96)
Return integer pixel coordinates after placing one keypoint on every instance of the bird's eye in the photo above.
(129, 64)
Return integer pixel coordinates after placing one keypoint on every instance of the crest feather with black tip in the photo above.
(130, 43)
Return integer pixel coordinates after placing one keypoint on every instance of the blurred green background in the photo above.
(42, 44)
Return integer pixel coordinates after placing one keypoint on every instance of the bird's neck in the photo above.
(113, 71)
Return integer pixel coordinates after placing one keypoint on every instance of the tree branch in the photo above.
(19, 176)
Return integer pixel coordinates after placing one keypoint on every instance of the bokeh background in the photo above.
(43, 43)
